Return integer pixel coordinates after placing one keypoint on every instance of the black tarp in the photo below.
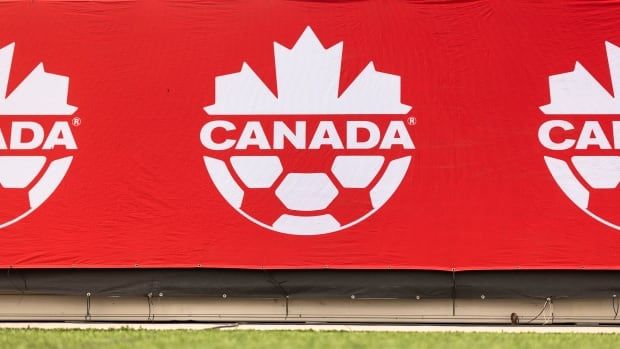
(311, 283)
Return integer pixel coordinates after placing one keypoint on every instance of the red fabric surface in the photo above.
(477, 194)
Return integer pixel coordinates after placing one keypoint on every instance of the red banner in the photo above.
(403, 135)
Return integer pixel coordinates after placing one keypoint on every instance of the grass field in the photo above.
(135, 339)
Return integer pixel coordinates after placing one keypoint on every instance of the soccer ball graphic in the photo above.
(360, 185)
(28, 176)
(585, 167)
(311, 189)
(26, 182)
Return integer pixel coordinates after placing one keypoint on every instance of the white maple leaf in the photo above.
(578, 92)
(307, 76)
(40, 93)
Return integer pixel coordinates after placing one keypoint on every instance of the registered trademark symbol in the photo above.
(411, 120)
(76, 121)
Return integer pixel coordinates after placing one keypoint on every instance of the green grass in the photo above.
(136, 339)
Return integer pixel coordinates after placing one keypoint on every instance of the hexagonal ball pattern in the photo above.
(356, 171)
(600, 172)
(306, 191)
(257, 171)
(17, 172)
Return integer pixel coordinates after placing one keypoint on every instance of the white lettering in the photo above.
(297, 138)
(326, 134)
(396, 134)
(353, 128)
(206, 135)
(253, 134)
(17, 135)
(60, 135)
(544, 135)
(2, 141)
(592, 134)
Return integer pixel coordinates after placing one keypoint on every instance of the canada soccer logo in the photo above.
(582, 139)
(306, 160)
(36, 141)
